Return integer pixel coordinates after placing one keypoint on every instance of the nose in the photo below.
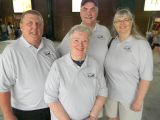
(88, 12)
(34, 25)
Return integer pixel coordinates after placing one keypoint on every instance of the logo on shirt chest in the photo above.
(101, 37)
(127, 48)
(49, 54)
(91, 75)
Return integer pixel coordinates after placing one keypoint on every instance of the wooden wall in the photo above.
(63, 19)
(142, 17)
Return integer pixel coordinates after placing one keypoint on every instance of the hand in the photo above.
(136, 106)
(92, 118)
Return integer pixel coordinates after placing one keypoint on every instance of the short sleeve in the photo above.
(52, 85)
(102, 88)
(145, 61)
(7, 70)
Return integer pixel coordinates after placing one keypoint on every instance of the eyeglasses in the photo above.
(122, 21)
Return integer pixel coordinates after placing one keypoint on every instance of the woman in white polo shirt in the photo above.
(75, 87)
(129, 68)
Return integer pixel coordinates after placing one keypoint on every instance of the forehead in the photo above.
(32, 17)
(121, 16)
(79, 35)
(89, 4)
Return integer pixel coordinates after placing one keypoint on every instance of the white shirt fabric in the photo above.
(75, 87)
(97, 44)
(24, 70)
(126, 64)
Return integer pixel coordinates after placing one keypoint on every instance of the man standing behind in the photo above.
(100, 34)
(24, 67)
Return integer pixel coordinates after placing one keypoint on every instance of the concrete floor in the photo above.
(152, 100)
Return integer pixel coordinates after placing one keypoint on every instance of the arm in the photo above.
(141, 93)
(6, 106)
(58, 111)
(100, 101)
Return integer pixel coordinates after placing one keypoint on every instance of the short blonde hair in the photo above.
(33, 12)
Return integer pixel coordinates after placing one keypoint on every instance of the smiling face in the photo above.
(79, 45)
(32, 28)
(123, 25)
(89, 13)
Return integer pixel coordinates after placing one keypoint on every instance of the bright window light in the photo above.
(76, 5)
(21, 5)
(152, 5)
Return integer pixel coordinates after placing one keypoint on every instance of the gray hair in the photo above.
(33, 12)
(134, 30)
(80, 28)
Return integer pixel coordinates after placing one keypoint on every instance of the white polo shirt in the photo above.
(126, 64)
(24, 70)
(97, 45)
(75, 87)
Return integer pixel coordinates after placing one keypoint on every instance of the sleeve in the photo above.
(7, 71)
(63, 48)
(102, 88)
(52, 85)
(145, 61)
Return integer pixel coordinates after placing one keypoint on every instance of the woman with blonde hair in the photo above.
(129, 68)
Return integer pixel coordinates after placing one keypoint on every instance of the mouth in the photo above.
(90, 17)
(33, 33)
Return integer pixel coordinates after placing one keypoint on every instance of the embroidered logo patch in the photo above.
(127, 48)
(91, 75)
(101, 37)
(47, 53)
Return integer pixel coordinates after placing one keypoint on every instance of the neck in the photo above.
(123, 37)
(91, 26)
(78, 58)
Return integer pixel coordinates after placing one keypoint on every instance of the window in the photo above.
(152, 5)
(76, 5)
(20, 6)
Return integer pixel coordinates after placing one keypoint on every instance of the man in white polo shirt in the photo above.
(24, 67)
(100, 34)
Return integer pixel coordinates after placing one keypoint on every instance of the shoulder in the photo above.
(141, 45)
(63, 59)
(47, 41)
(102, 27)
(11, 45)
(92, 61)
(142, 42)
(60, 62)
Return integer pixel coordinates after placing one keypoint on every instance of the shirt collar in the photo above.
(74, 64)
(127, 40)
(29, 45)
(94, 29)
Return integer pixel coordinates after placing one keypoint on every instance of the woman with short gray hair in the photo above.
(75, 87)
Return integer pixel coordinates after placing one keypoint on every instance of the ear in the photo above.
(21, 26)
